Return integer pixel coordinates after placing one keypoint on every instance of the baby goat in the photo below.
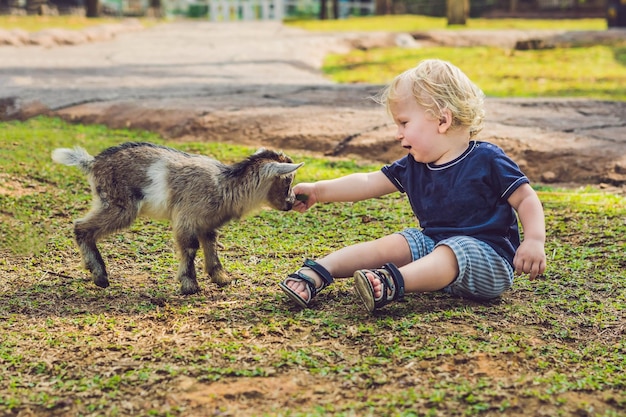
(198, 194)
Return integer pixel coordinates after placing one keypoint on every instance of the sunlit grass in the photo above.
(597, 72)
(593, 72)
(410, 23)
(71, 22)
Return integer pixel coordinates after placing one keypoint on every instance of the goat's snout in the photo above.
(289, 201)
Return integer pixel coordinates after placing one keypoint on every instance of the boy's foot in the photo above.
(303, 285)
(379, 287)
(300, 287)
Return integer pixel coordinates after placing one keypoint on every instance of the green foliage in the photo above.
(555, 345)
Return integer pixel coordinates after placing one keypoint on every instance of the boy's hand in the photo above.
(530, 258)
(305, 197)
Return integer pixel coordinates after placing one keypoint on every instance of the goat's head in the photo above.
(280, 170)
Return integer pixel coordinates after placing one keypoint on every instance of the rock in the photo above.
(55, 36)
(9, 38)
(404, 40)
(21, 35)
(620, 167)
(42, 38)
(549, 177)
(49, 37)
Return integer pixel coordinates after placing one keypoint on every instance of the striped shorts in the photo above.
(483, 274)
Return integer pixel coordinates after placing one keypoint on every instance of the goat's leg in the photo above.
(92, 259)
(212, 265)
(187, 248)
(97, 224)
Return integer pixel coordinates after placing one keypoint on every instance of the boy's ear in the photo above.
(445, 121)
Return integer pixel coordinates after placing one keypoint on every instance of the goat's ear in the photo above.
(281, 168)
(258, 151)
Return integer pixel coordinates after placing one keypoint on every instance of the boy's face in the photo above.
(418, 131)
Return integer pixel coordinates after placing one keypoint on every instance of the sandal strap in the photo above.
(390, 278)
(300, 275)
(327, 279)
(398, 280)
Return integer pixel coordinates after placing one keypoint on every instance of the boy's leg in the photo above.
(367, 255)
(461, 265)
(431, 272)
(483, 273)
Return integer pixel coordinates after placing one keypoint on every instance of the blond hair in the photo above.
(437, 85)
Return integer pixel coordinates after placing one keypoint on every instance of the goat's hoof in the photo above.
(221, 278)
(189, 288)
(101, 282)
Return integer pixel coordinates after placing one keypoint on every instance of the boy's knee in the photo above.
(483, 273)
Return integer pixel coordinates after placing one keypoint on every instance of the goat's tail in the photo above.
(74, 157)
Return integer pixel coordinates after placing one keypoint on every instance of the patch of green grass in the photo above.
(37, 23)
(597, 72)
(414, 23)
(554, 345)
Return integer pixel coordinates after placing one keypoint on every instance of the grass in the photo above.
(554, 346)
(412, 23)
(597, 72)
(37, 23)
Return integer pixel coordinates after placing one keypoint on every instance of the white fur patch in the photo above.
(156, 195)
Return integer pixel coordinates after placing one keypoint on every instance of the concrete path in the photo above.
(170, 60)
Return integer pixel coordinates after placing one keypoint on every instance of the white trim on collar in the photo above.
(464, 155)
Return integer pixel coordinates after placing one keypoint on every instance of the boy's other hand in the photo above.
(530, 258)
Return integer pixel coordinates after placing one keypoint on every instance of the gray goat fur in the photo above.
(196, 193)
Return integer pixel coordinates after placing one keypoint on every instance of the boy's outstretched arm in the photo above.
(353, 187)
(530, 257)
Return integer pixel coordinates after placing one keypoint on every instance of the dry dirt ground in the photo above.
(259, 84)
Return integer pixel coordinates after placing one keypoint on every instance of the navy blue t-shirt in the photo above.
(464, 197)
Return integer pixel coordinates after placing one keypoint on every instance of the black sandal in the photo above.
(327, 279)
(392, 286)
